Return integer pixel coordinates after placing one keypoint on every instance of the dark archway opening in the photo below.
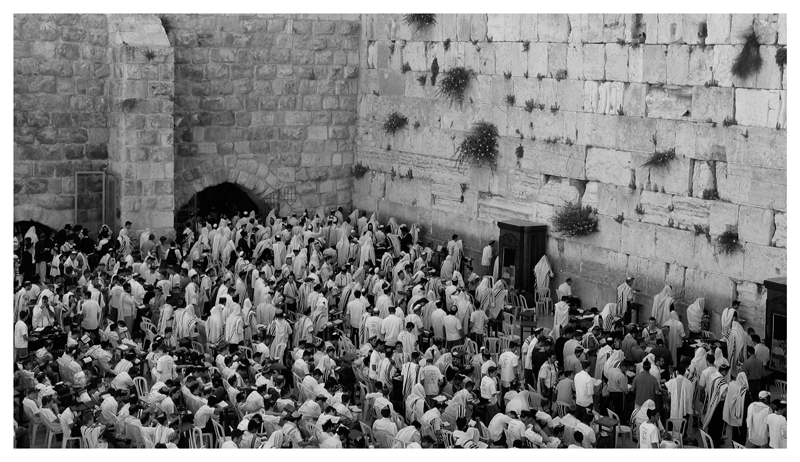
(22, 227)
(225, 198)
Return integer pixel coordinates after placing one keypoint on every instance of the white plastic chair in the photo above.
(543, 300)
(708, 443)
(53, 429)
(141, 387)
(66, 439)
(781, 385)
(621, 430)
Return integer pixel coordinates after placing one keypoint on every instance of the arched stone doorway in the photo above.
(22, 227)
(225, 198)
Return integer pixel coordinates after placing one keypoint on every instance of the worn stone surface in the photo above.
(608, 166)
(779, 238)
(756, 225)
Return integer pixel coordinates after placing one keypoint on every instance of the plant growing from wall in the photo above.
(391, 47)
(660, 158)
(463, 191)
(568, 142)
(621, 41)
(446, 44)
(388, 146)
(529, 105)
(520, 151)
(474, 42)
(166, 23)
(526, 45)
(507, 75)
(420, 21)
(728, 242)
(359, 170)
(552, 139)
(704, 230)
(573, 220)
(728, 122)
(454, 82)
(312, 75)
(405, 68)
(561, 74)
(525, 74)
(620, 111)
(394, 122)
(710, 195)
(489, 39)
(423, 79)
(511, 99)
(554, 108)
(150, 55)
(393, 173)
(434, 71)
(620, 218)
(711, 83)
(539, 77)
(702, 33)
(749, 60)
(416, 124)
(479, 148)
(128, 105)
(410, 175)
(780, 57)
(639, 209)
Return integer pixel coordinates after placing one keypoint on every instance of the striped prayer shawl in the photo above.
(719, 389)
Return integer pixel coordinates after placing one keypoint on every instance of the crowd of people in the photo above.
(336, 331)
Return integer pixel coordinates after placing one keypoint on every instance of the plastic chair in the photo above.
(279, 352)
(562, 408)
(677, 427)
(492, 344)
(470, 346)
(509, 438)
(198, 347)
(709, 334)
(448, 438)
(508, 330)
(383, 439)
(781, 384)
(219, 433)
(367, 431)
(66, 440)
(141, 387)
(395, 443)
(196, 439)
(508, 318)
(33, 424)
(248, 352)
(53, 429)
(708, 443)
(621, 430)
(738, 445)
(543, 300)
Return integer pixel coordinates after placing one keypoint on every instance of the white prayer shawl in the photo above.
(458, 251)
(384, 305)
(448, 266)
(614, 359)
(415, 400)
(694, 314)
(184, 323)
(279, 253)
(483, 290)
(681, 392)
(733, 412)
(367, 252)
(718, 390)
(234, 325)
(737, 345)
(624, 295)
(166, 318)
(602, 356)
(698, 364)
(499, 293)
(608, 316)
(215, 326)
(543, 272)
(395, 245)
(560, 319)
(661, 304)
(676, 334)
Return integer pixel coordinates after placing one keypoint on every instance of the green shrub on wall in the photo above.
(454, 82)
(479, 148)
(573, 220)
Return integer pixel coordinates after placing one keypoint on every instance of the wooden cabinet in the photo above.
(775, 325)
(521, 245)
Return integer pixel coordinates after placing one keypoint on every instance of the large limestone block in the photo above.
(558, 192)
(701, 63)
(670, 28)
(714, 103)
(601, 265)
(598, 130)
(672, 246)
(616, 62)
(675, 177)
(669, 102)
(570, 95)
(556, 58)
(690, 26)
(613, 27)
(678, 64)
(779, 238)
(594, 61)
(635, 133)
(575, 60)
(638, 238)
(689, 211)
(759, 108)
(719, 29)
(529, 27)
(634, 99)
(592, 28)
(650, 276)
(685, 139)
(611, 96)
(707, 257)
(756, 225)
(722, 215)
(537, 59)
(752, 186)
(523, 186)
(763, 262)
(512, 24)
(769, 76)
(656, 207)
(724, 57)
(717, 289)
(553, 27)
(719, 143)
(391, 83)
(409, 192)
(414, 55)
(613, 201)
(558, 159)
(496, 26)
(590, 197)
(636, 64)
(577, 23)
(649, 25)
(495, 208)
(781, 29)
(704, 178)
(506, 53)
(591, 97)
(608, 166)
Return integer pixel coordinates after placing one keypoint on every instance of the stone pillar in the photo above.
(140, 121)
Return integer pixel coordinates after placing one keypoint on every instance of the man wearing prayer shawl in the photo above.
(448, 266)
(661, 306)
(681, 394)
(716, 392)
(560, 319)
(694, 315)
(304, 327)
(624, 298)
(737, 344)
(756, 419)
(736, 404)
(676, 335)
(543, 272)
(383, 302)
(727, 318)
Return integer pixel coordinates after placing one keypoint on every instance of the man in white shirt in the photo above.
(21, 336)
(565, 290)
(776, 425)
(649, 436)
(431, 378)
(497, 424)
(355, 311)
(385, 424)
(584, 386)
(509, 365)
(452, 329)
(757, 414)
(486, 259)
(489, 392)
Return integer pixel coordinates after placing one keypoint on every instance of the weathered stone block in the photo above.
(722, 215)
(671, 246)
(633, 99)
(779, 238)
(675, 177)
(689, 211)
(714, 103)
(575, 61)
(701, 63)
(757, 107)
(558, 192)
(719, 28)
(557, 159)
(594, 61)
(616, 66)
(763, 262)
(656, 208)
(608, 166)
(654, 63)
(669, 102)
(553, 27)
(756, 225)
(638, 238)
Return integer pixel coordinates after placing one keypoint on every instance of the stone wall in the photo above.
(608, 102)
(267, 102)
(60, 121)
(140, 121)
